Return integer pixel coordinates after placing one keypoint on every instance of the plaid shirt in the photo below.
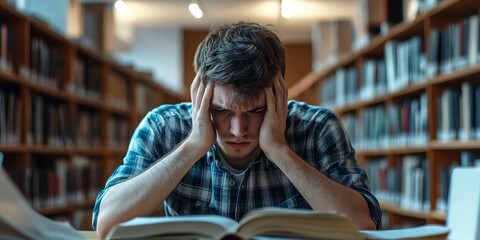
(314, 133)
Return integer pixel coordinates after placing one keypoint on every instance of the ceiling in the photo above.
(174, 13)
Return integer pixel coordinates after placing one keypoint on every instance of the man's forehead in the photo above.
(242, 104)
(238, 101)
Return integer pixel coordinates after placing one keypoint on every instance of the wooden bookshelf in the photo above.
(408, 122)
(66, 116)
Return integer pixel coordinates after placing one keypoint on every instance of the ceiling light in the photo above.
(121, 6)
(286, 8)
(195, 9)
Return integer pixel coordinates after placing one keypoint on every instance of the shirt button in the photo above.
(197, 204)
(232, 183)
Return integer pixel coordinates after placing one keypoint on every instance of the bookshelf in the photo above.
(410, 101)
(66, 115)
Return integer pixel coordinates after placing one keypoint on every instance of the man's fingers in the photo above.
(270, 99)
(199, 96)
(283, 84)
(207, 98)
(279, 94)
(194, 88)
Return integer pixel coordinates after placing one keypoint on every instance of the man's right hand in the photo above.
(203, 133)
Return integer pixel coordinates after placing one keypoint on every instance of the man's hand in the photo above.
(203, 133)
(272, 132)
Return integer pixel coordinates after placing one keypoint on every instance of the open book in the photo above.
(265, 223)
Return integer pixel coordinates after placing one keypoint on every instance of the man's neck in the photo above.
(238, 164)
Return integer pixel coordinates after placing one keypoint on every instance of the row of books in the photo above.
(405, 181)
(458, 113)
(46, 63)
(89, 128)
(332, 39)
(455, 46)
(87, 79)
(9, 116)
(392, 125)
(50, 123)
(56, 182)
(6, 45)
(117, 91)
(405, 184)
(404, 63)
(144, 98)
(119, 134)
(340, 88)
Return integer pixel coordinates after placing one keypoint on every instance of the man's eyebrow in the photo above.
(217, 106)
(257, 108)
(221, 107)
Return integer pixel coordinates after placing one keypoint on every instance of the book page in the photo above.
(18, 217)
(422, 232)
(296, 223)
(181, 226)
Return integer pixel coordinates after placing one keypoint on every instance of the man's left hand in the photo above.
(272, 131)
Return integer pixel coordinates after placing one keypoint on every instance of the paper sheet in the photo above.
(18, 220)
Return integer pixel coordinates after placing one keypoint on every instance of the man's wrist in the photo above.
(276, 151)
(194, 149)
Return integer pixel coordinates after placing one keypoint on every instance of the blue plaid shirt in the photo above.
(314, 133)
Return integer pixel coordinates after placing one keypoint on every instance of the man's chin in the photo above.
(238, 155)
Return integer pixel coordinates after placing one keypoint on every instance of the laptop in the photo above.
(463, 214)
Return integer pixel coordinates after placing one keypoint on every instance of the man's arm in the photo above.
(145, 193)
(322, 193)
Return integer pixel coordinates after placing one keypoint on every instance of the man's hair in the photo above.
(246, 56)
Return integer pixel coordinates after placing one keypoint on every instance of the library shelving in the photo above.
(410, 101)
(66, 115)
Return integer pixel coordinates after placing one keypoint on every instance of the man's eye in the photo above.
(261, 110)
(220, 110)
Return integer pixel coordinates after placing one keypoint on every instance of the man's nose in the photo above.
(238, 126)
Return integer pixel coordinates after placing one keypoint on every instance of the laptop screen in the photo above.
(463, 213)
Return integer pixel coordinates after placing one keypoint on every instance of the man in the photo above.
(239, 145)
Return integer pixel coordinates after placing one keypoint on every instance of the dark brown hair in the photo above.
(244, 55)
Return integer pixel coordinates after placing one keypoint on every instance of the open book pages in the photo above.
(18, 220)
(268, 222)
(427, 232)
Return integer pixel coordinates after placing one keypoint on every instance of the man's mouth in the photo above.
(238, 145)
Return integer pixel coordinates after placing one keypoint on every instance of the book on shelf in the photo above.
(6, 42)
(9, 116)
(265, 222)
(331, 40)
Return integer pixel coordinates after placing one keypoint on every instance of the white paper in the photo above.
(406, 233)
(16, 213)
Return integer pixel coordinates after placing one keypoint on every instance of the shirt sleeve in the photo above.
(142, 152)
(338, 162)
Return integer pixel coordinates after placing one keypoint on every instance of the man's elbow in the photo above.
(368, 224)
(103, 227)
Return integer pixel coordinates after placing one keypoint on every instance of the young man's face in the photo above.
(237, 124)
